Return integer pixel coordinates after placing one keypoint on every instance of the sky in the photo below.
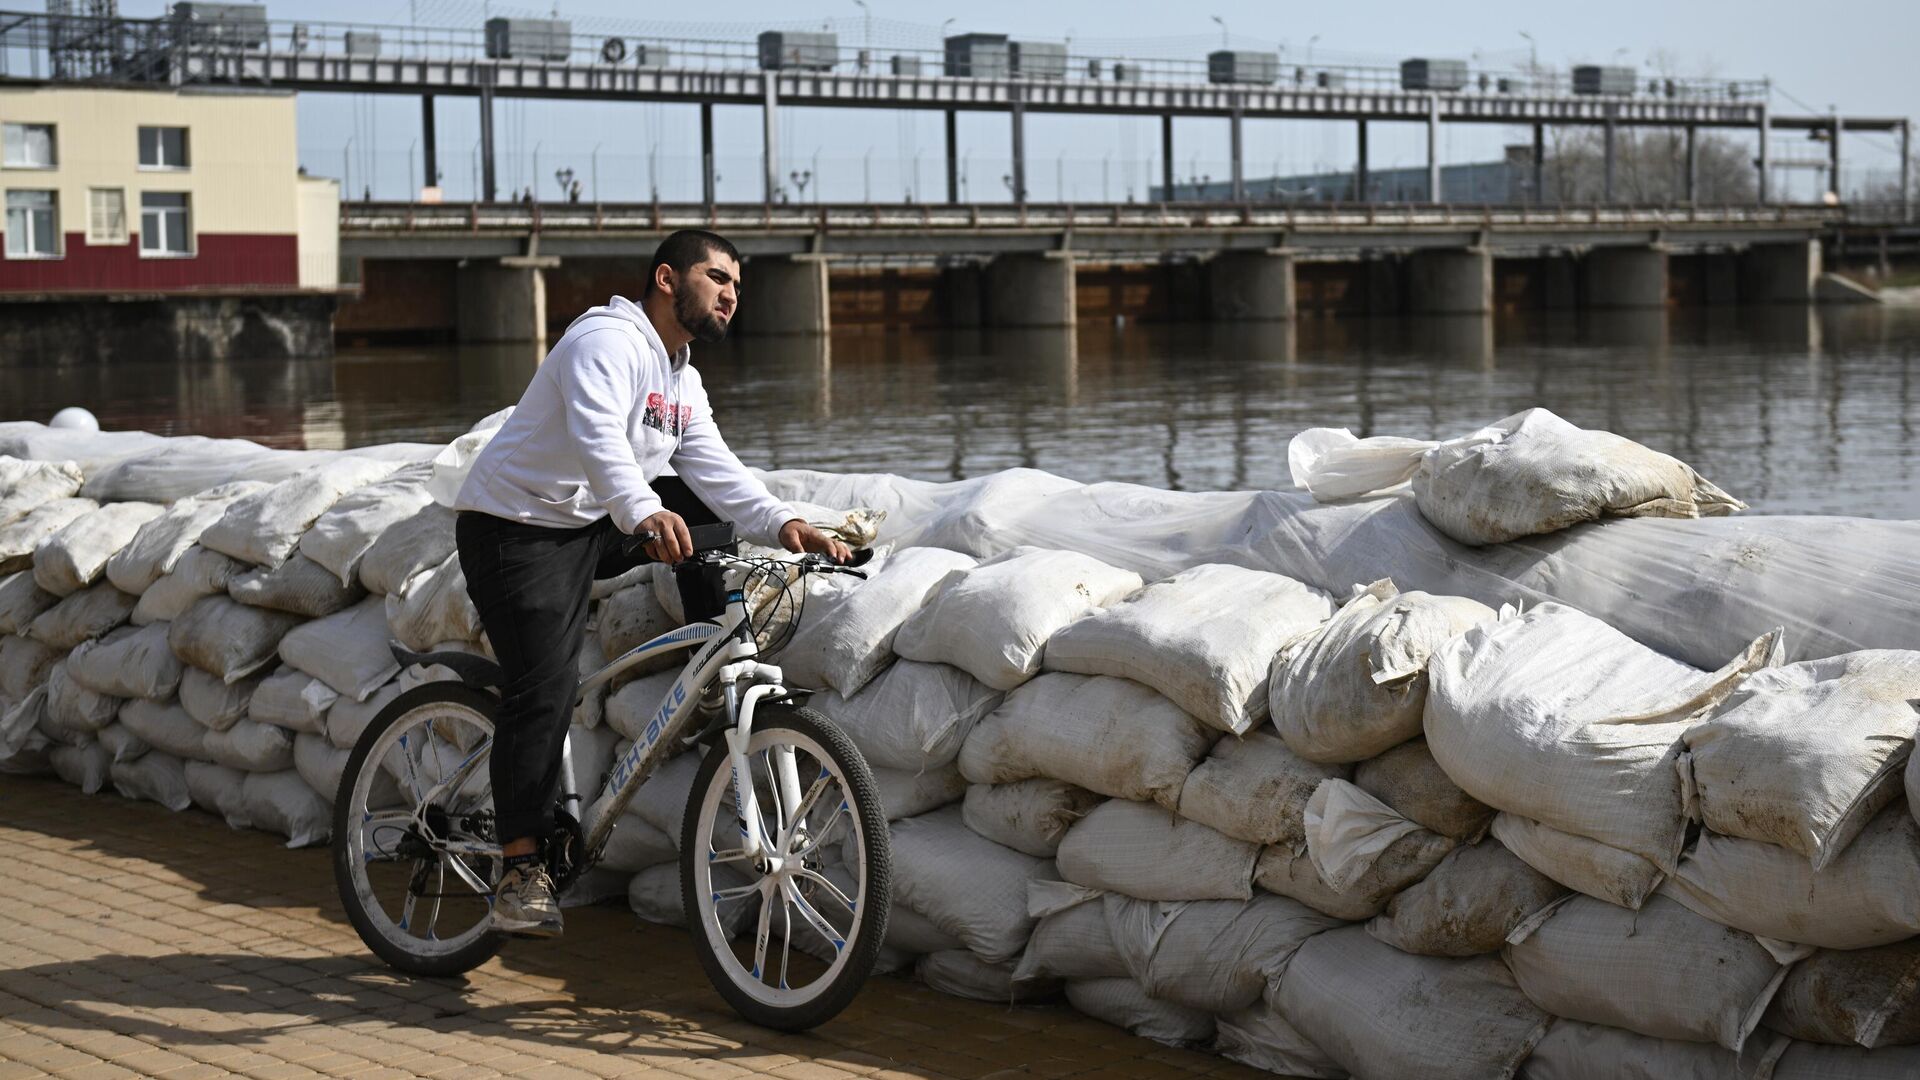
(1856, 55)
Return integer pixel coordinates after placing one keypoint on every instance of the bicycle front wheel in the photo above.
(822, 890)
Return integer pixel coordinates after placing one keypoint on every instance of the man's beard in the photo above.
(706, 327)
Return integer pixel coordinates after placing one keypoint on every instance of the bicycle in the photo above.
(414, 807)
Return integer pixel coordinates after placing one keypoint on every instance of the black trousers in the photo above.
(531, 585)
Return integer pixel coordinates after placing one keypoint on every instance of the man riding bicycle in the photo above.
(582, 461)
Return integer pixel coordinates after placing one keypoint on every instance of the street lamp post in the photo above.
(1223, 29)
(595, 159)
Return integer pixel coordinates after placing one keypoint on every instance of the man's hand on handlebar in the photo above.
(798, 536)
(670, 543)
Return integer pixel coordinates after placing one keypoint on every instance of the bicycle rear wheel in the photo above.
(823, 893)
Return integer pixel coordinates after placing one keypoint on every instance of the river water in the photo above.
(1794, 410)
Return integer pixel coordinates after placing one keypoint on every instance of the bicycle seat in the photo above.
(473, 669)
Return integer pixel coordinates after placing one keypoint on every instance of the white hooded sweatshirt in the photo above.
(605, 414)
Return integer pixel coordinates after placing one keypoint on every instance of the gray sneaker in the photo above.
(523, 905)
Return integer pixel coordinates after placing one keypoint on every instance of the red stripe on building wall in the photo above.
(222, 260)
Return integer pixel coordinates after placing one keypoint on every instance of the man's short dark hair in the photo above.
(685, 248)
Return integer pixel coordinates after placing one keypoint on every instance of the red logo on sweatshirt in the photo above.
(660, 416)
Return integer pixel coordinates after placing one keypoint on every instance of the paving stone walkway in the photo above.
(137, 942)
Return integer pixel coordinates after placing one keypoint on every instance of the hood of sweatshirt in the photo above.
(619, 307)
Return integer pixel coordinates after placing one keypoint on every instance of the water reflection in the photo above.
(1793, 409)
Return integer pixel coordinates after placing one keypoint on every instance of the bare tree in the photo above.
(1649, 167)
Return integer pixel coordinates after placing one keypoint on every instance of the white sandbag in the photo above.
(654, 895)
(298, 585)
(1143, 851)
(74, 707)
(1407, 860)
(1528, 474)
(228, 639)
(21, 600)
(24, 665)
(122, 743)
(348, 651)
(26, 485)
(993, 620)
(1071, 939)
(1467, 905)
(213, 702)
(592, 750)
(85, 767)
(1123, 1004)
(76, 556)
(631, 708)
(348, 718)
(970, 887)
(133, 661)
(1661, 971)
(265, 527)
(1108, 735)
(1030, 816)
(590, 710)
(1213, 955)
(159, 544)
(166, 727)
(1409, 780)
(451, 465)
(906, 793)
(18, 538)
(340, 538)
(432, 607)
(322, 765)
(848, 643)
(281, 802)
(662, 801)
(1349, 830)
(1913, 785)
(1380, 1012)
(1804, 755)
(1811, 1061)
(1205, 638)
(251, 747)
(55, 727)
(959, 973)
(911, 933)
(636, 845)
(1359, 686)
(1868, 895)
(1572, 1050)
(631, 617)
(913, 716)
(83, 616)
(89, 448)
(407, 547)
(1587, 866)
(1557, 716)
(155, 777)
(216, 789)
(23, 733)
(1859, 997)
(198, 573)
(1259, 1037)
(292, 699)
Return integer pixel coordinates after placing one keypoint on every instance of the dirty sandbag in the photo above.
(1859, 997)
(636, 845)
(1030, 816)
(155, 777)
(1572, 1050)
(299, 586)
(959, 973)
(18, 538)
(1359, 686)
(415, 543)
(909, 932)
(251, 747)
(281, 802)
(77, 555)
(228, 639)
(264, 528)
(85, 767)
(1868, 895)
(294, 700)
(23, 734)
(1122, 1003)
(1812, 1061)
(1205, 637)
(1292, 874)
(1467, 905)
(968, 886)
(1528, 474)
(1214, 955)
(341, 537)
(449, 468)
(630, 709)
(1254, 788)
(83, 616)
(130, 662)
(433, 607)
(655, 896)
(1552, 713)
(1259, 1037)
(1348, 831)
(1409, 780)
(1108, 735)
(1071, 938)
(166, 727)
(24, 665)
(662, 800)
(74, 707)
(213, 702)
(1661, 971)
(914, 716)
(198, 573)
(122, 743)
(1587, 866)
(906, 793)
(322, 765)
(348, 650)
(1804, 755)
(347, 718)
(216, 789)
(634, 616)
(1380, 1012)
(993, 620)
(849, 643)
(21, 600)
(1143, 851)
(27, 485)
(160, 544)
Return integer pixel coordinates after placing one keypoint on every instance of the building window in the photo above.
(33, 225)
(106, 216)
(163, 148)
(28, 146)
(164, 228)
